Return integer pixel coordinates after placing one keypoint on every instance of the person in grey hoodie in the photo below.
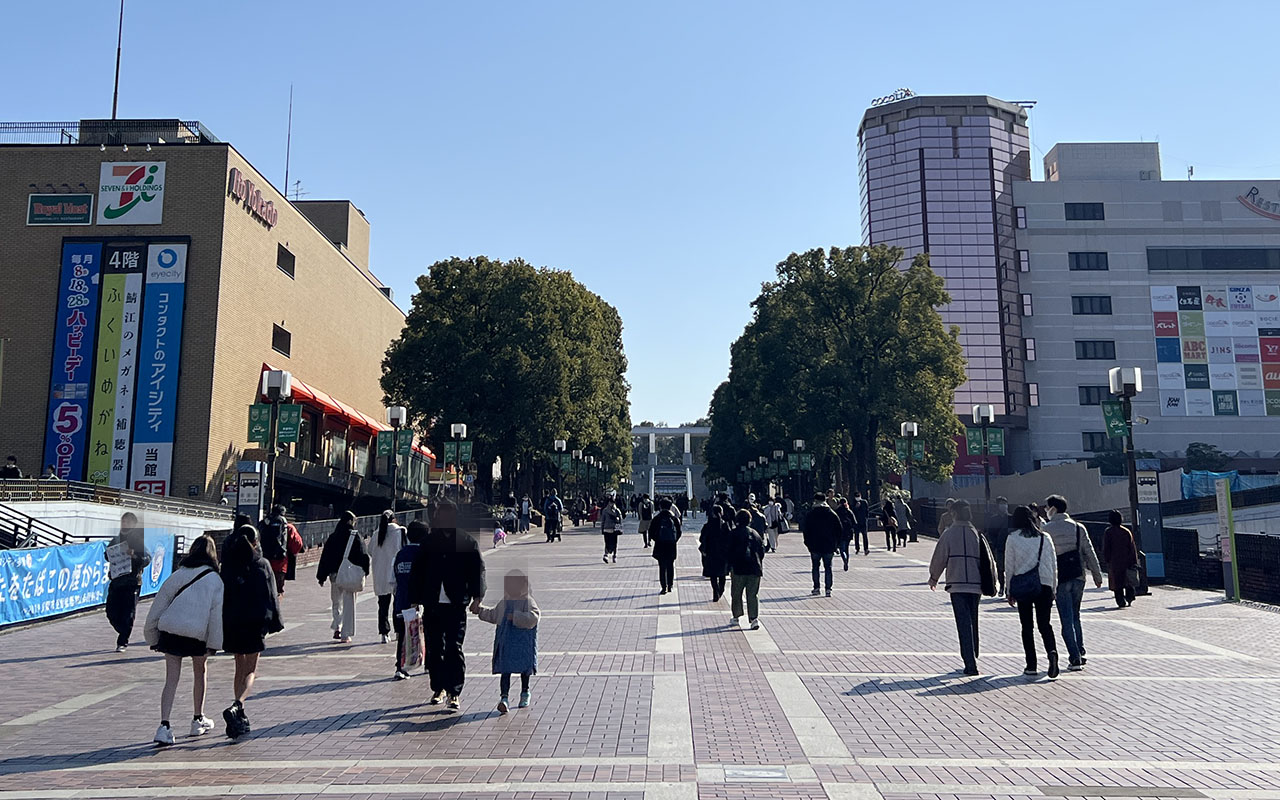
(1075, 556)
(959, 554)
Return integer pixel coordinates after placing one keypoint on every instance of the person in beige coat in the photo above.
(959, 554)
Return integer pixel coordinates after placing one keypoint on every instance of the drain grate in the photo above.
(1119, 791)
(757, 774)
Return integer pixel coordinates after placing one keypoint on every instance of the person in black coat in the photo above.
(122, 592)
(344, 602)
(447, 576)
(714, 546)
(665, 531)
(848, 525)
(250, 612)
(861, 511)
(822, 531)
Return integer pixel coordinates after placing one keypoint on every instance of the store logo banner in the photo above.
(1262, 206)
(1189, 298)
(1164, 298)
(115, 363)
(1253, 404)
(160, 357)
(1266, 298)
(60, 209)
(74, 330)
(131, 193)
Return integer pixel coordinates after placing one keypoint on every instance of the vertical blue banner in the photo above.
(73, 337)
(159, 359)
(160, 546)
(46, 581)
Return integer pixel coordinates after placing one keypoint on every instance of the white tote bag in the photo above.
(350, 577)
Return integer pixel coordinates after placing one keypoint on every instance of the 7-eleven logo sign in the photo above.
(131, 194)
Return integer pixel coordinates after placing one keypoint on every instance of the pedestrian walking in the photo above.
(1120, 552)
(713, 543)
(185, 621)
(996, 528)
(906, 522)
(383, 548)
(665, 531)
(960, 554)
(861, 511)
(552, 516)
(822, 532)
(515, 642)
(746, 560)
(126, 577)
(1075, 555)
(773, 519)
(889, 519)
(646, 517)
(946, 519)
(447, 575)
(610, 526)
(1032, 568)
(275, 536)
(250, 612)
(526, 506)
(416, 535)
(344, 546)
(847, 525)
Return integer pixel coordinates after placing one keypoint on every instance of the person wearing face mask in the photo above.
(997, 531)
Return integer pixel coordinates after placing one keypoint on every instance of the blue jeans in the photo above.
(1070, 594)
(965, 608)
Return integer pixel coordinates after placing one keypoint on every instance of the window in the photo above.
(1026, 305)
(1179, 259)
(1211, 210)
(1172, 210)
(1024, 261)
(1091, 304)
(1029, 349)
(1084, 211)
(1087, 262)
(1033, 395)
(281, 340)
(1020, 216)
(284, 260)
(1093, 395)
(1096, 350)
(1098, 442)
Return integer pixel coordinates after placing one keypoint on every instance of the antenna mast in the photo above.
(115, 94)
(288, 142)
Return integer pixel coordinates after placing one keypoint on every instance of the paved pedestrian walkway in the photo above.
(853, 697)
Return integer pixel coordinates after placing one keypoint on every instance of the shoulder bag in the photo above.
(349, 577)
(1026, 585)
(1070, 567)
(986, 572)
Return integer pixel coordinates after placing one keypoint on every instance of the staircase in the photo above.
(17, 531)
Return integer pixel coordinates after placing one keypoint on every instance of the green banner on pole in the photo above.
(451, 452)
(289, 424)
(566, 461)
(917, 450)
(995, 441)
(384, 444)
(1113, 416)
(260, 422)
(900, 447)
(404, 442)
(793, 461)
(464, 452)
(973, 439)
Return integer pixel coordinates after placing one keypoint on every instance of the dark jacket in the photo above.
(822, 529)
(664, 550)
(448, 558)
(273, 533)
(250, 608)
(140, 561)
(402, 568)
(860, 512)
(746, 551)
(848, 523)
(714, 546)
(1119, 553)
(334, 547)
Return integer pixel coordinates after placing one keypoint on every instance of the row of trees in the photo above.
(523, 356)
(843, 346)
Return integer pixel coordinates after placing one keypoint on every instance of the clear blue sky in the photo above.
(669, 154)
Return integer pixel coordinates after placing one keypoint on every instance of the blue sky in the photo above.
(669, 154)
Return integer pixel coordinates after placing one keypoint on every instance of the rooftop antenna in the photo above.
(288, 142)
(1190, 171)
(298, 193)
(115, 94)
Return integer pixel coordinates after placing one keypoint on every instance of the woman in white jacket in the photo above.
(185, 621)
(1029, 551)
(382, 551)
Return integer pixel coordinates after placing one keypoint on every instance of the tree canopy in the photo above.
(522, 355)
(842, 346)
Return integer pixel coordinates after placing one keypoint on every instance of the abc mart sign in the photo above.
(131, 193)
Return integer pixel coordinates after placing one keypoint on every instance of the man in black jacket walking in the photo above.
(447, 577)
(822, 531)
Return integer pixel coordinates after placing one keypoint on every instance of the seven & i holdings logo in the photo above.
(131, 193)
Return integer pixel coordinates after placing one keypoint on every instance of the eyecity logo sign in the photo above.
(1255, 202)
(131, 194)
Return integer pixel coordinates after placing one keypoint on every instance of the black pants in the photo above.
(717, 587)
(122, 608)
(891, 538)
(504, 683)
(1042, 605)
(667, 573)
(965, 608)
(444, 626)
(1124, 596)
(610, 543)
(861, 532)
(821, 559)
(398, 621)
(384, 620)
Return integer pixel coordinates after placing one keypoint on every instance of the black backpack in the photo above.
(664, 527)
(273, 532)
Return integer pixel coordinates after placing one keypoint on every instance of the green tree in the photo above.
(1207, 457)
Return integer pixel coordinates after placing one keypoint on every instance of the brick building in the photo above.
(155, 232)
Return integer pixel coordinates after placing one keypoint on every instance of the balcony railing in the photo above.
(106, 132)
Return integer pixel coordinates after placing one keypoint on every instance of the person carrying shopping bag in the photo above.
(344, 563)
(383, 548)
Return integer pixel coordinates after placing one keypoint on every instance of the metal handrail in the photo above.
(41, 489)
(20, 531)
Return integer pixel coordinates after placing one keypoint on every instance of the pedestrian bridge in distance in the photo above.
(669, 460)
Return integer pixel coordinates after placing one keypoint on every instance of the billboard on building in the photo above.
(131, 193)
(74, 330)
(115, 363)
(1219, 354)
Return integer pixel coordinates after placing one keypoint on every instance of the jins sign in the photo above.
(242, 189)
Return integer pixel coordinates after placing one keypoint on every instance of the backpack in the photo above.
(664, 528)
(274, 534)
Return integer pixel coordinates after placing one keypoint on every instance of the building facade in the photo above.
(155, 274)
(1180, 278)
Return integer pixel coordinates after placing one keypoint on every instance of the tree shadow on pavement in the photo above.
(946, 684)
(315, 688)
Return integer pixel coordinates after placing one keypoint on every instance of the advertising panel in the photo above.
(74, 328)
(1172, 403)
(161, 349)
(1199, 403)
(1273, 402)
(1246, 351)
(1266, 298)
(1189, 298)
(1253, 403)
(1164, 298)
(1170, 376)
(1224, 403)
(45, 581)
(1221, 350)
(1249, 376)
(59, 209)
(1166, 323)
(113, 377)
(131, 193)
(1197, 375)
(1169, 350)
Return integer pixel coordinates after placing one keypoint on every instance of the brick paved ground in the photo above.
(641, 696)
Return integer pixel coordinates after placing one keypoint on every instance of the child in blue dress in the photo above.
(515, 643)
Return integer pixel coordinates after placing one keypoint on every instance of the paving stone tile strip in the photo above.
(853, 697)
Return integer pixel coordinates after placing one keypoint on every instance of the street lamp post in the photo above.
(1126, 383)
(910, 430)
(779, 456)
(763, 462)
(560, 445)
(983, 416)
(577, 482)
(799, 445)
(396, 416)
(591, 481)
(277, 386)
(459, 432)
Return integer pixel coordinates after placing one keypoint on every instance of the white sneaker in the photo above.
(120, 648)
(385, 638)
(755, 624)
(164, 736)
(734, 623)
(201, 725)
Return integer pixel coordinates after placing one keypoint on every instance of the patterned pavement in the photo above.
(645, 696)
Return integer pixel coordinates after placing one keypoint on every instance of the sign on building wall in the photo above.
(60, 209)
(1218, 350)
(156, 403)
(131, 193)
(115, 363)
(74, 328)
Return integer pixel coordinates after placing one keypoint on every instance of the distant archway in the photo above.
(669, 460)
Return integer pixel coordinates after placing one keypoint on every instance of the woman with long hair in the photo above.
(185, 621)
(250, 611)
(1031, 575)
(382, 553)
(1120, 554)
(344, 544)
